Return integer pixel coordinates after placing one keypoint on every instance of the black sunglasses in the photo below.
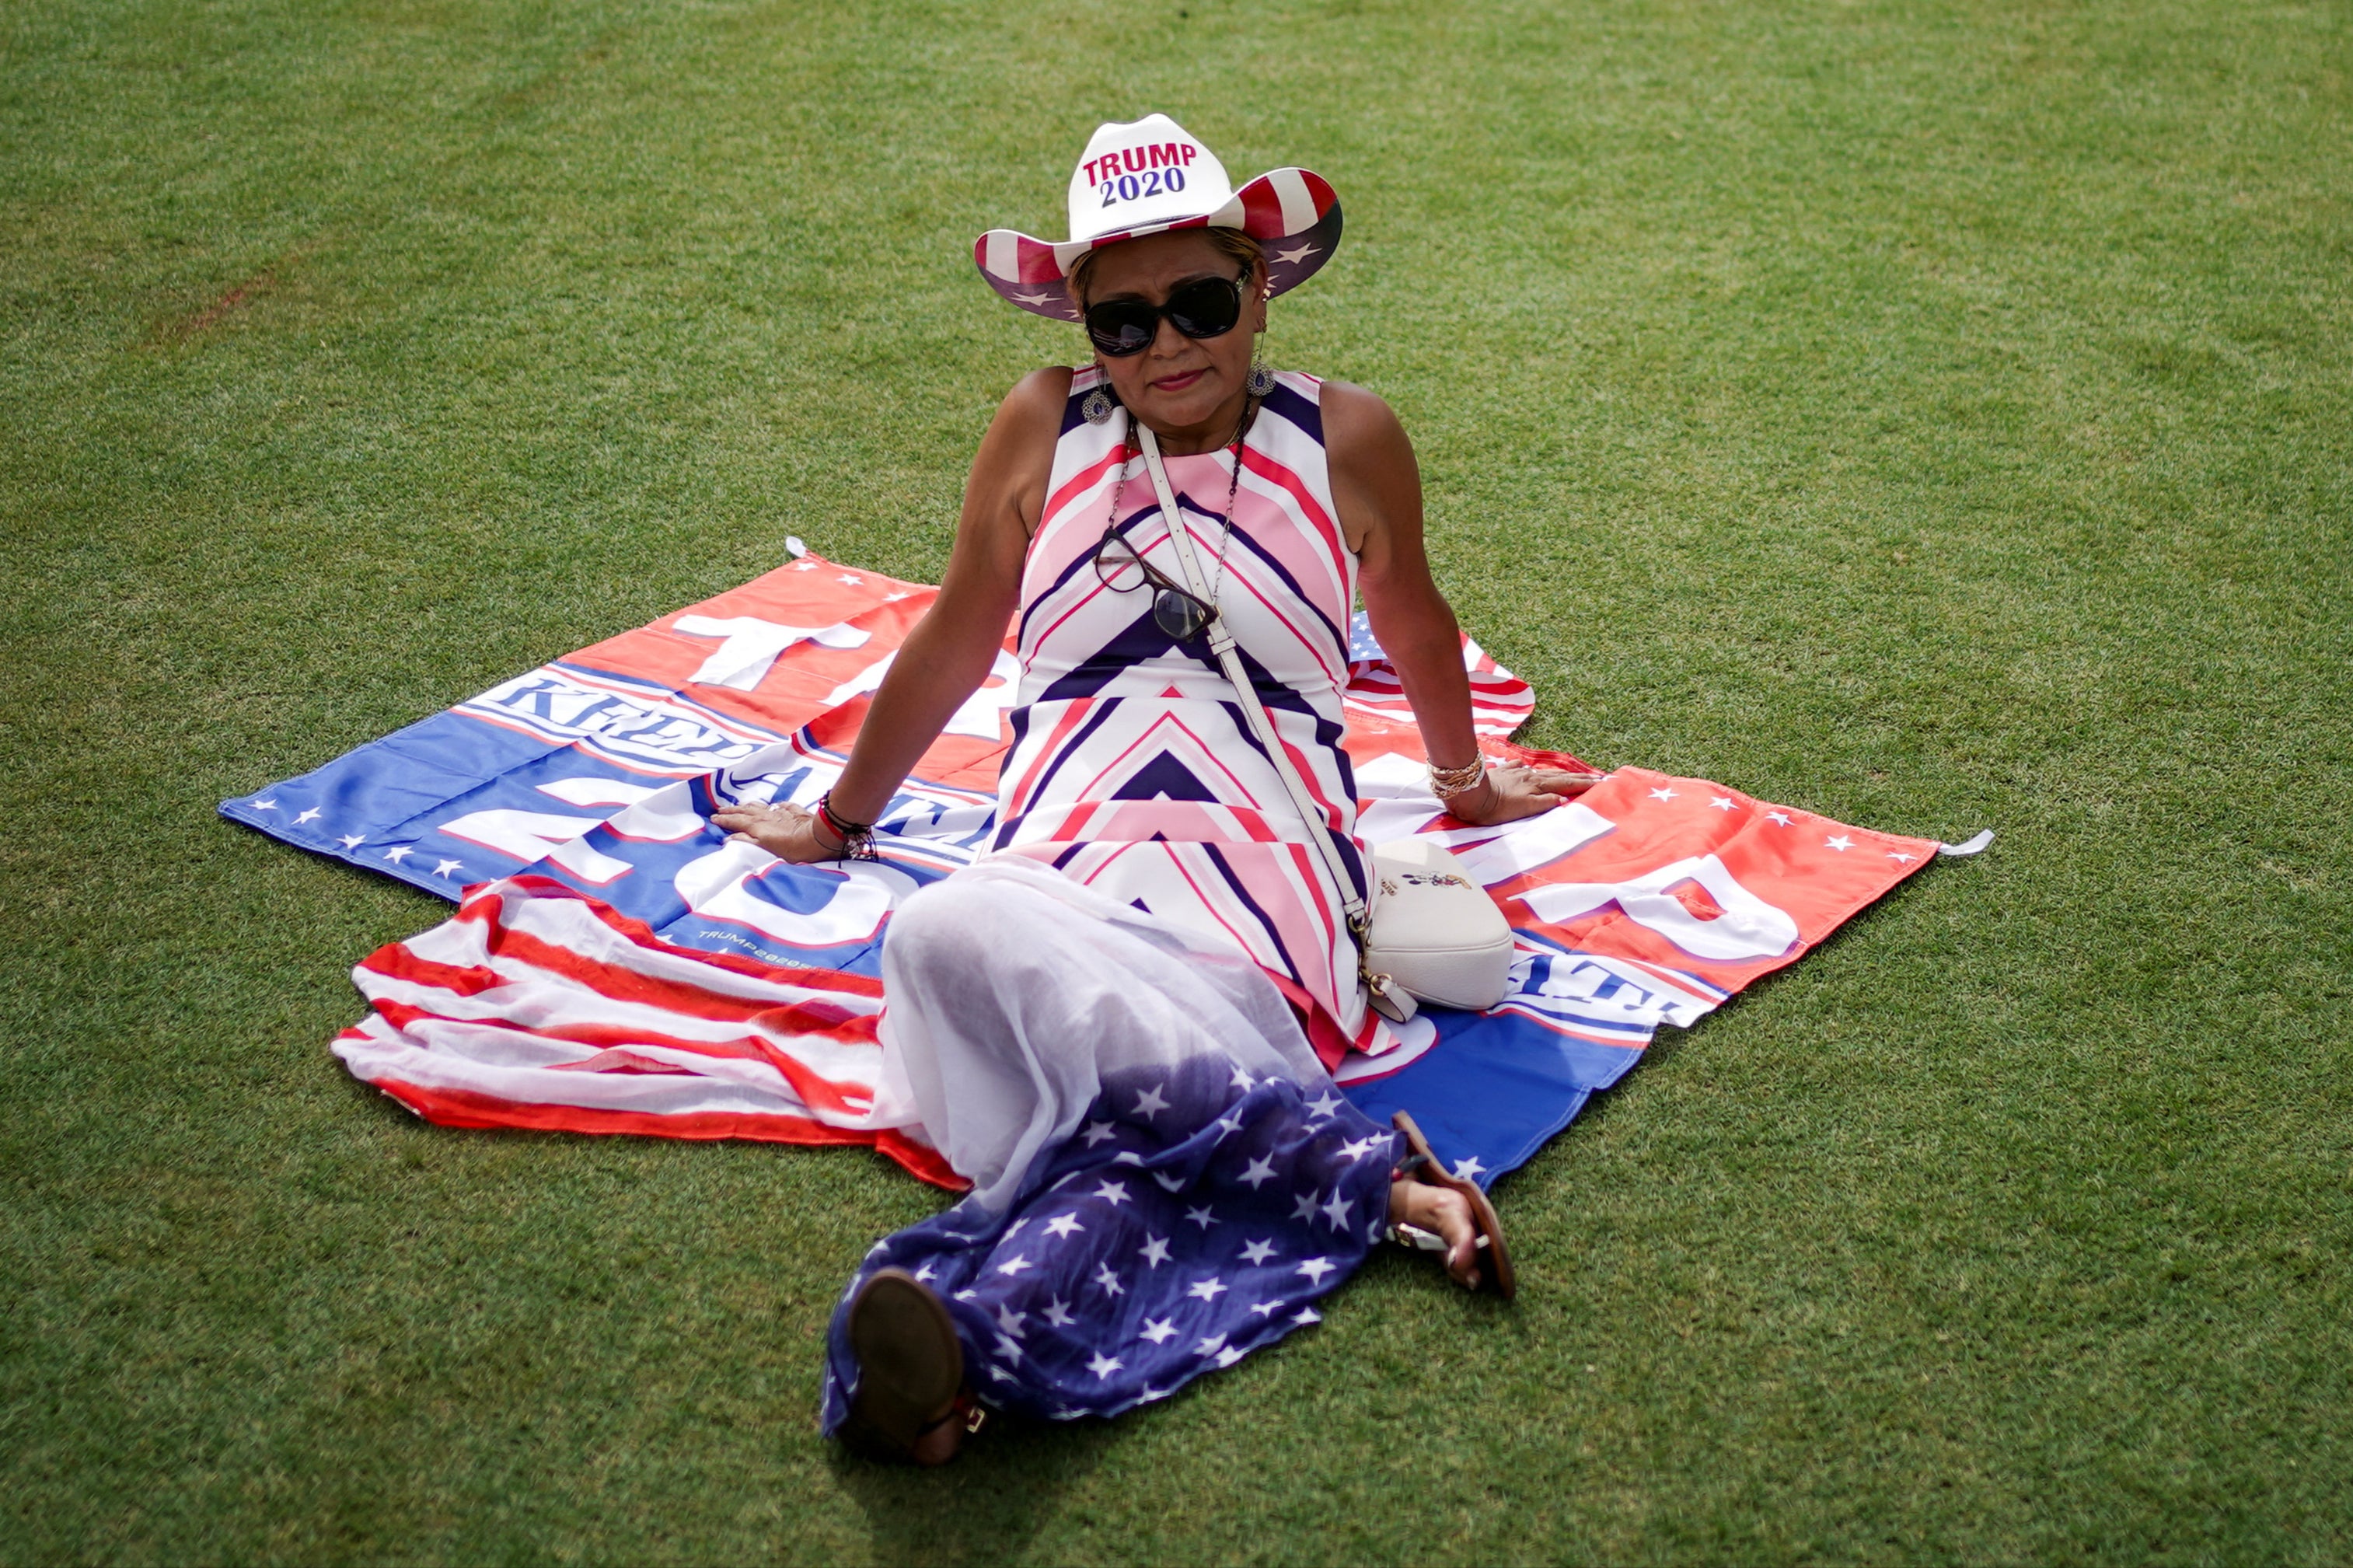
(1204, 307)
(1119, 569)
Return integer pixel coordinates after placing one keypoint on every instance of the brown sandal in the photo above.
(910, 1368)
(1424, 1166)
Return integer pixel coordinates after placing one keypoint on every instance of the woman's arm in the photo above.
(948, 654)
(1376, 485)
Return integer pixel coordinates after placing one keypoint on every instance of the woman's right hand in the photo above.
(789, 832)
(1509, 790)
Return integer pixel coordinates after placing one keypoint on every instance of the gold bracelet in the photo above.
(1448, 782)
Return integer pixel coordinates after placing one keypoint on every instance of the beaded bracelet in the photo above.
(856, 838)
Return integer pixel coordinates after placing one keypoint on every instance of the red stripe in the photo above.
(1261, 211)
(1267, 468)
(464, 1107)
(1314, 785)
(621, 1062)
(1327, 1039)
(815, 1090)
(1035, 260)
(394, 962)
(1073, 717)
(1311, 871)
(610, 981)
(643, 935)
(1330, 1042)
(1272, 933)
(1092, 593)
(1169, 721)
(614, 981)
(1558, 1026)
(1115, 817)
(1084, 479)
(1310, 642)
(921, 1161)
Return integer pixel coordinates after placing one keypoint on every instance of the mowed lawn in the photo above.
(1937, 414)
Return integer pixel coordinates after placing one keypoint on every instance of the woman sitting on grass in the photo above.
(1118, 1025)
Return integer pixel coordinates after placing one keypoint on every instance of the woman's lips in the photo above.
(1178, 383)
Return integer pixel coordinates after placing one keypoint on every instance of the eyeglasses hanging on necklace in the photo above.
(1122, 568)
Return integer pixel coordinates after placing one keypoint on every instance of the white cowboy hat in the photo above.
(1152, 174)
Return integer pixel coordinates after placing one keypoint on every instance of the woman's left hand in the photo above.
(1514, 789)
(785, 831)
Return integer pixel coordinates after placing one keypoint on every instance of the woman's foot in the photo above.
(1435, 1202)
(1444, 1214)
(911, 1402)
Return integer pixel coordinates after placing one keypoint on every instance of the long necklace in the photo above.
(1233, 487)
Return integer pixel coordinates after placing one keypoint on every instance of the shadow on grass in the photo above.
(987, 1505)
(1020, 1477)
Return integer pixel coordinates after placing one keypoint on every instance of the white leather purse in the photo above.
(1429, 931)
(1433, 930)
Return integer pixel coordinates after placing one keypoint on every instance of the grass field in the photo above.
(1939, 415)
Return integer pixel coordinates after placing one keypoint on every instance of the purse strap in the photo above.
(1389, 999)
(1254, 714)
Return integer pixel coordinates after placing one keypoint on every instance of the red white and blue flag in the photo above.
(616, 966)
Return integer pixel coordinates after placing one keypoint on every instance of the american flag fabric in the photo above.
(1198, 1215)
(596, 976)
(1499, 700)
(539, 1007)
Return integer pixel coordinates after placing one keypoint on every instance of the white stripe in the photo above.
(647, 1094)
(506, 1028)
(1298, 205)
(1004, 256)
(568, 923)
(1407, 1042)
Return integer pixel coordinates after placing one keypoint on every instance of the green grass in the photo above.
(1934, 414)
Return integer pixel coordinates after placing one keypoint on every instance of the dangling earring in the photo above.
(1261, 379)
(1097, 406)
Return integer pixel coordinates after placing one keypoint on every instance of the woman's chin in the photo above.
(1186, 406)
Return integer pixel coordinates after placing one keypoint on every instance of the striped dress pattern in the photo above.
(1133, 768)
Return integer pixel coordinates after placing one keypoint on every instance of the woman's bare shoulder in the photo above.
(1037, 400)
(1016, 456)
(1358, 423)
(1027, 423)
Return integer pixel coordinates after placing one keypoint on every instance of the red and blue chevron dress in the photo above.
(1133, 770)
(1165, 1178)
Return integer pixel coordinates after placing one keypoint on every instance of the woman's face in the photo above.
(1179, 384)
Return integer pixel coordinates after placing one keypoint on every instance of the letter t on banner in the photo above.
(752, 646)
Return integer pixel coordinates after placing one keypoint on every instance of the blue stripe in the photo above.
(1308, 415)
(1070, 747)
(1338, 638)
(1274, 936)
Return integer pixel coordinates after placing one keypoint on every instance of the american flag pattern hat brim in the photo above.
(1150, 177)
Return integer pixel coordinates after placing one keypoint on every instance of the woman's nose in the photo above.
(1168, 342)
